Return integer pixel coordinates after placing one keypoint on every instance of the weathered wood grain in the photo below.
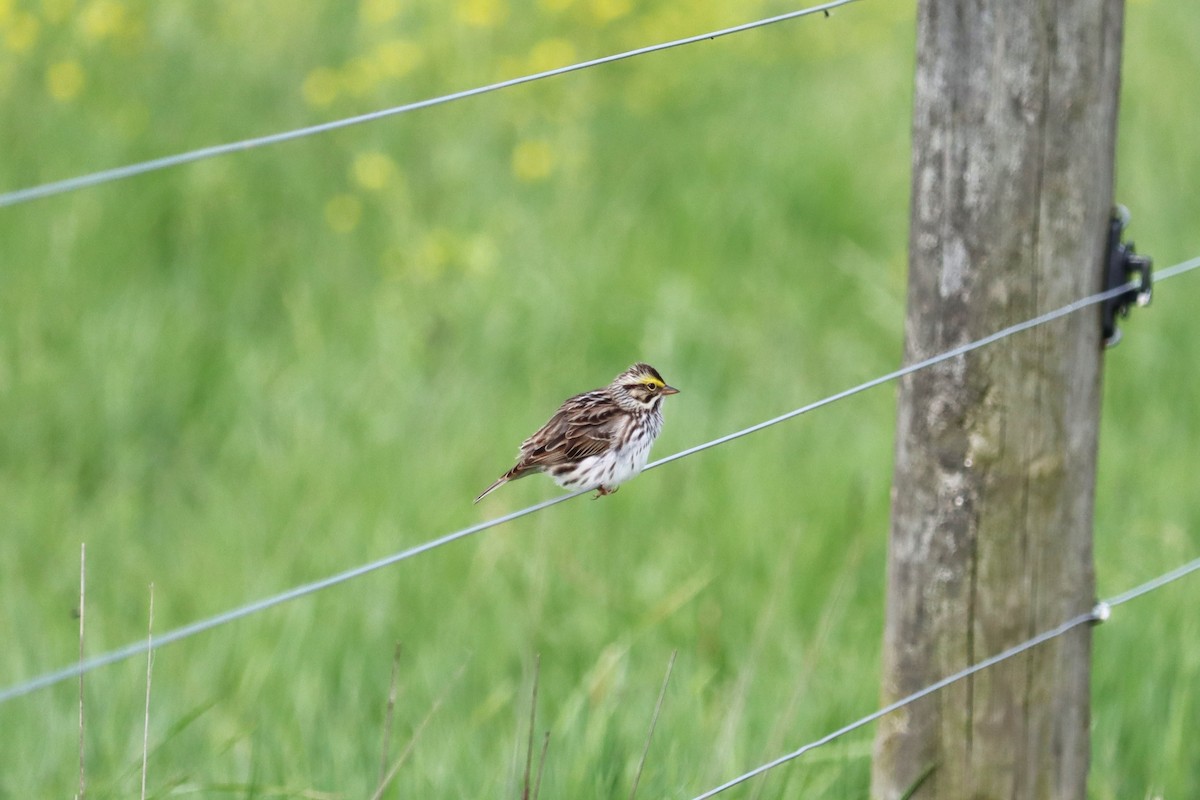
(1013, 145)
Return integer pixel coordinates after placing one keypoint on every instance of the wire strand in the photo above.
(153, 165)
(1150, 586)
(138, 648)
(1099, 613)
(1049, 316)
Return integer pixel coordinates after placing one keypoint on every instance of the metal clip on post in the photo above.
(1121, 264)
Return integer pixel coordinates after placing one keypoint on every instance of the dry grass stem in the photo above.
(149, 670)
(537, 669)
(82, 596)
(537, 785)
(662, 693)
(416, 734)
(390, 713)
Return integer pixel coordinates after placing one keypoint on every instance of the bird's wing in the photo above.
(583, 426)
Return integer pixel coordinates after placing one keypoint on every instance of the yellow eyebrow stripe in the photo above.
(650, 380)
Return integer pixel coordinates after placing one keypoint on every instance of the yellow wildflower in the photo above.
(609, 10)
(101, 19)
(373, 171)
(482, 13)
(22, 32)
(377, 12)
(397, 57)
(320, 87)
(65, 80)
(434, 254)
(550, 53)
(533, 160)
(343, 212)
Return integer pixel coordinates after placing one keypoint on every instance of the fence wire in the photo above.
(139, 648)
(1099, 613)
(128, 171)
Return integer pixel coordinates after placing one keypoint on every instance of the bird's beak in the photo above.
(669, 390)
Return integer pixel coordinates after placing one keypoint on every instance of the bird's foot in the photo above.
(602, 491)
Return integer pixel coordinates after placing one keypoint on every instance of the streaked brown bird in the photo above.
(598, 439)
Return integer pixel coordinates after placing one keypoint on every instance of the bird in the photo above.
(598, 439)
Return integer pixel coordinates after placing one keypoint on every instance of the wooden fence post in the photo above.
(1013, 142)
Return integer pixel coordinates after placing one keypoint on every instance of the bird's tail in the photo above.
(503, 479)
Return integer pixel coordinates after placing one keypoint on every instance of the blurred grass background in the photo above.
(249, 373)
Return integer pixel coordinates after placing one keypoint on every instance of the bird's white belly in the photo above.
(628, 463)
(607, 469)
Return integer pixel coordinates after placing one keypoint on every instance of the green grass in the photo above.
(242, 375)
